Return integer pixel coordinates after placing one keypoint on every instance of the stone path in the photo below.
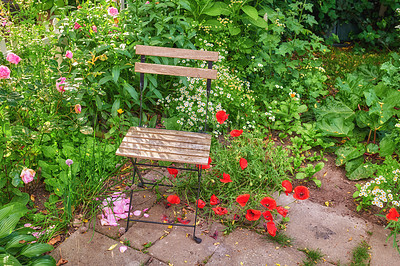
(311, 226)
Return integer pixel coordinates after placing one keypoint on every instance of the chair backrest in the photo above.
(142, 67)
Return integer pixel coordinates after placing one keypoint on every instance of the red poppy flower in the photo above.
(226, 178)
(201, 204)
(287, 186)
(268, 203)
(271, 228)
(282, 211)
(206, 166)
(173, 171)
(183, 221)
(242, 199)
(173, 199)
(301, 193)
(214, 200)
(220, 210)
(393, 215)
(253, 215)
(221, 116)
(243, 163)
(268, 216)
(236, 133)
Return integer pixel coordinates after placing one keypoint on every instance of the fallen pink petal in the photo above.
(122, 249)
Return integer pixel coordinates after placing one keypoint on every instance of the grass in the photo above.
(281, 238)
(360, 255)
(313, 256)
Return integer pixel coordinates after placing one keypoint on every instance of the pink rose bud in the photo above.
(94, 28)
(69, 54)
(13, 58)
(77, 26)
(27, 175)
(78, 108)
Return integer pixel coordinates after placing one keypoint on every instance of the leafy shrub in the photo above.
(18, 246)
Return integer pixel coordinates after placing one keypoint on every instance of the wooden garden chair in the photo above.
(169, 145)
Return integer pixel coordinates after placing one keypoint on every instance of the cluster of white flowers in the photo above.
(277, 22)
(269, 114)
(380, 196)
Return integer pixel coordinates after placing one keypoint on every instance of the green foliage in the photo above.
(313, 256)
(17, 246)
(361, 255)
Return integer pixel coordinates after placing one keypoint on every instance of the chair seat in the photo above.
(166, 145)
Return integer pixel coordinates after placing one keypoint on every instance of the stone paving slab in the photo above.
(382, 252)
(314, 226)
(243, 247)
(179, 248)
(143, 233)
(91, 248)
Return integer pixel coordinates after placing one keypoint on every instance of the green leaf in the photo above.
(372, 148)
(102, 48)
(362, 172)
(301, 175)
(43, 261)
(36, 249)
(317, 182)
(8, 224)
(319, 167)
(49, 151)
(233, 30)
(219, 8)
(387, 146)
(131, 90)
(250, 11)
(259, 22)
(9, 260)
(19, 241)
(115, 107)
(347, 153)
(123, 52)
(336, 127)
(99, 103)
(105, 79)
(115, 73)
(153, 121)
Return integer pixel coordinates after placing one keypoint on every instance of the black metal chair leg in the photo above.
(195, 238)
(130, 201)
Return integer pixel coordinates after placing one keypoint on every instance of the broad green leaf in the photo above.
(259, 22)
(19, 241)
(302, 108)
(8, 224)
(336, 127)
(219, 8)
(319, 166)
(386, 146)
(317, 182)
(9, 260)
(104, 79)
(49, 151)
(362, 172)
(250, 11)
(123, 52)
(352, 165)
(372, 148)
(131, 90)
(36, 249)
(153, 121)
(43, 261)
(347, 153)
(16, 179)
(333, 108)
(233, 30)
(99, 103)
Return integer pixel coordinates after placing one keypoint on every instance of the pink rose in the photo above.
(94, 28)
(112, 11)
(147, 2)
(13, 58)
(77, 26)
(69, 54)
(4, 72)
(60, 84)
(27, 175)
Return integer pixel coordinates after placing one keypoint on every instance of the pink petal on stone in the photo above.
(137, 213)
(122, 249)
(145, 210)
(146, 215)
(121, 215)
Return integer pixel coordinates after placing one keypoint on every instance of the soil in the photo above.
(337, 191)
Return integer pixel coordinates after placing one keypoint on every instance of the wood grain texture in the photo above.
(175, 70)
(166, 145)
(176, 53)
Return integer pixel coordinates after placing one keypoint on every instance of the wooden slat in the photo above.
(168, 135)
(166, 145)
(136, 142)
(195, 159)
(175, 70)
(176, 53)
